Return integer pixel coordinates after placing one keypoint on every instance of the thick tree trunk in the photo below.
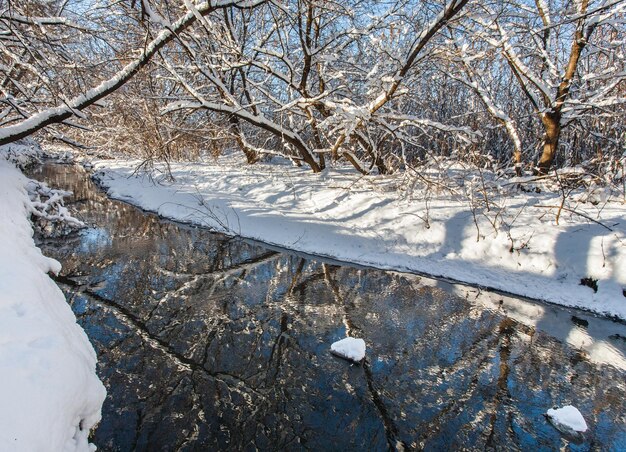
(251, 156)
(552, 125)
(552, 119)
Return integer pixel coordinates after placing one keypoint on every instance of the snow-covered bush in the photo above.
(49, 214)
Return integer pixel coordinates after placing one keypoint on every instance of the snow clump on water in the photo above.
(349, 348)
(567, 418)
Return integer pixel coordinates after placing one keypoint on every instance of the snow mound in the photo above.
(50, 395)
(349, 348)
(567, 418)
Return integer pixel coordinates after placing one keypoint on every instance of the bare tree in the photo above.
(304, 74)
(545, 55)
(381, 85)
(68, 107)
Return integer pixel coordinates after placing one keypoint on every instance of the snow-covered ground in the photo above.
(515, 246)
(50, 395)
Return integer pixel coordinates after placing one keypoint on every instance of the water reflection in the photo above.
(207, 342)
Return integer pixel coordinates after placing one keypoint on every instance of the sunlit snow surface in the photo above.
(368, 220)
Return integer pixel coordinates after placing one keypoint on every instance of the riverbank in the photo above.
(51, 396)
(509, 241)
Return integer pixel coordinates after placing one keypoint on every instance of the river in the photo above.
(208, 342)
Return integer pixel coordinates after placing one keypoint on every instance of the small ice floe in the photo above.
(567, 420)
(349, 348)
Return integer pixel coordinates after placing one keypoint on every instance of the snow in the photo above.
(21, 153)
(568, 418)
(49, 392)
(370, 221)
(349, 348)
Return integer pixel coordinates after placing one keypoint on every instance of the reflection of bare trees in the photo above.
(209, 342)
(391, 431)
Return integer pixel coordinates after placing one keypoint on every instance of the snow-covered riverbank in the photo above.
(515, 246)
(50, 395)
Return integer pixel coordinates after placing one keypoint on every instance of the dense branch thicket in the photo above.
(525, 84)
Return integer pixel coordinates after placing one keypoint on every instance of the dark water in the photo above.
(207, 342)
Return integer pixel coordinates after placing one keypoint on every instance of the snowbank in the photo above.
(514, 247)
(50, 396)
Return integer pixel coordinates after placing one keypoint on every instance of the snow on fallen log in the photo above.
(567, 419)
(349, 348)
(50, 394)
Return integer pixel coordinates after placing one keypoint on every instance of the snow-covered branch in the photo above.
(73, 106)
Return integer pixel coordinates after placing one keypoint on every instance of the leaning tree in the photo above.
(51, 54)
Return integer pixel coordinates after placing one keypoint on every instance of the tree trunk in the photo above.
(517, 161)
(552, 125)
(552, 119)
(251, 155)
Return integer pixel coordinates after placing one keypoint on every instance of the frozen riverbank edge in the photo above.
(51, 396)
(368, 221)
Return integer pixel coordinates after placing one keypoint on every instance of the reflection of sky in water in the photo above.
(112, 275)
(94, 238)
